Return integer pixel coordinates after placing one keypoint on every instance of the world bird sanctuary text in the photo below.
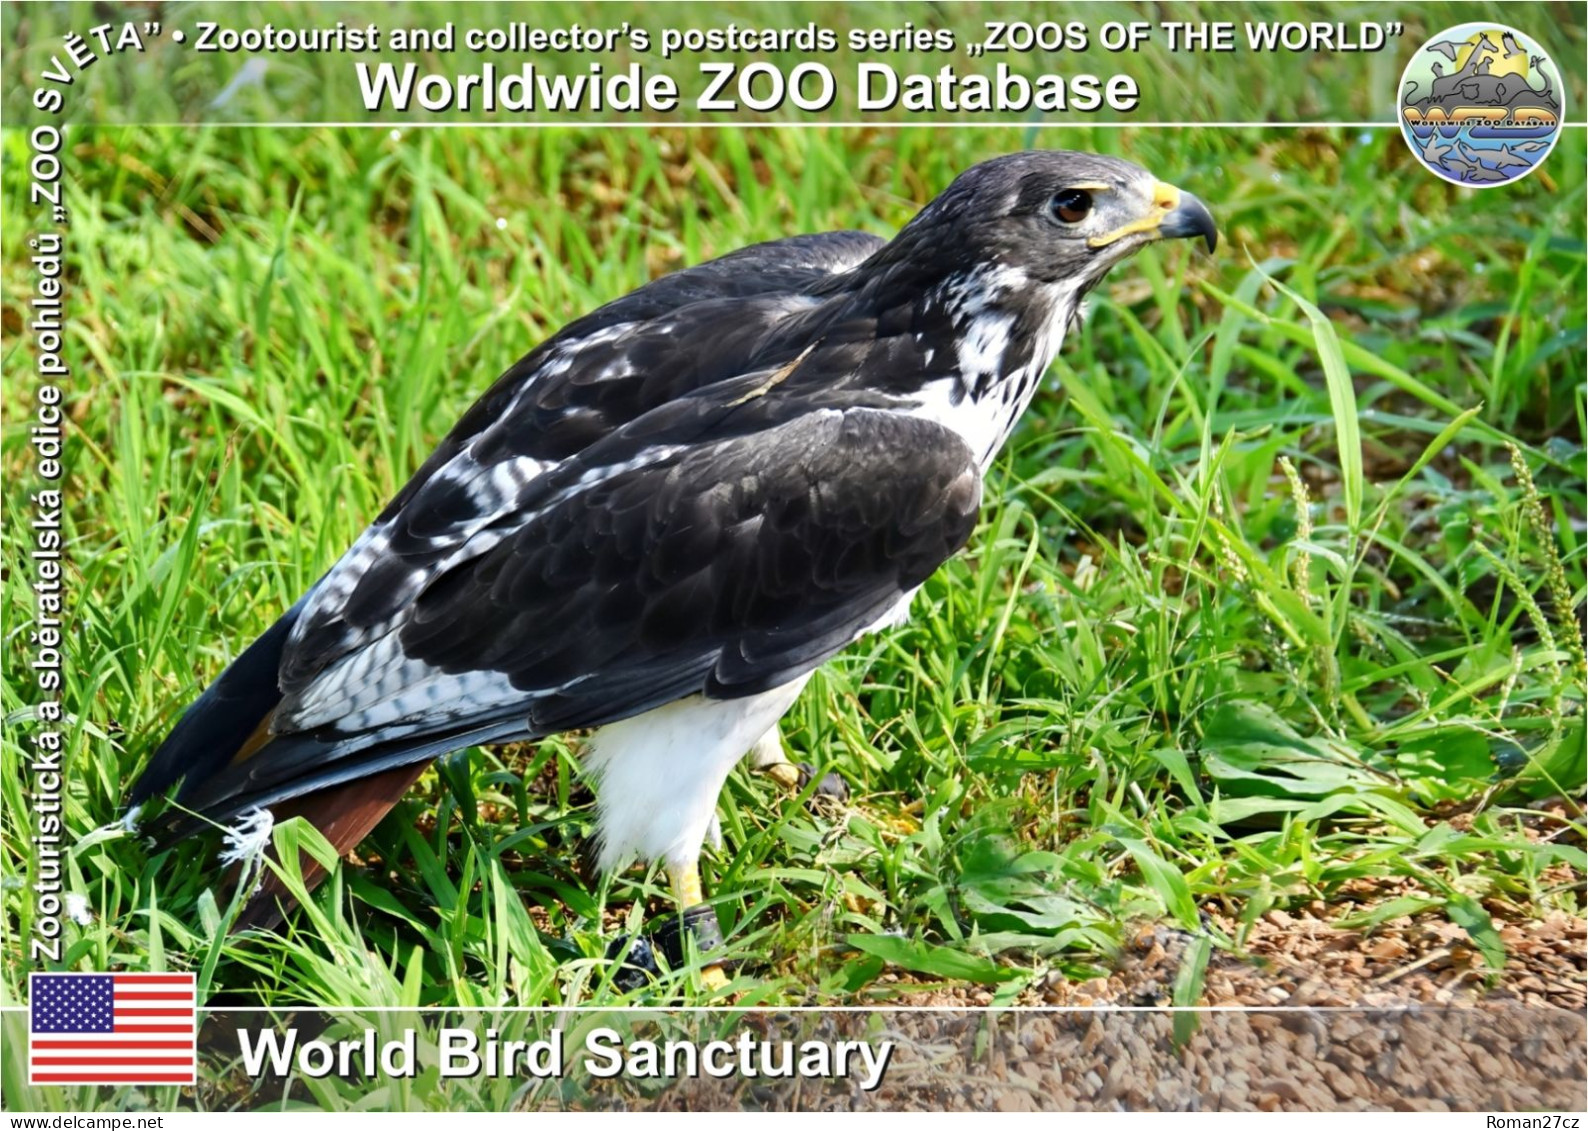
(602, 1053)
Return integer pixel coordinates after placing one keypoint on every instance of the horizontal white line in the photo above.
(162, 1044)
(80, 1049)
(1024, 123)
(133, 1057)
(181, 1034)
(955, 1010)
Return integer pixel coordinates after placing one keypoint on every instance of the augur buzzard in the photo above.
(666, 516)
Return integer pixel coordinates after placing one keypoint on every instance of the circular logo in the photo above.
(1480, 104)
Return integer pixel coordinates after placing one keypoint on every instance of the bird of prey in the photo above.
(665, 517)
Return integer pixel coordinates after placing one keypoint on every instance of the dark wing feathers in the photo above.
(297, 765)
(782, 544)
(728, 568)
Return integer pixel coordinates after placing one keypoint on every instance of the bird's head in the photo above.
(1059, 217)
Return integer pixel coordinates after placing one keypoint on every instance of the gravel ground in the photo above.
(1304, 956)
(1488, 1057)
(1301, 959)
(1306, 1015)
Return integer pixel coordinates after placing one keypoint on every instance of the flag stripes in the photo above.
(112, 1029)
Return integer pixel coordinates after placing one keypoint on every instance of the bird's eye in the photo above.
(1072, 205)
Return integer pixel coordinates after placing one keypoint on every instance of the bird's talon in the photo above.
(795, 776)
(789, 776)
(638, 953)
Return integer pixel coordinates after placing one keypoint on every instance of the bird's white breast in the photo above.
(659, 773)
(984, 332)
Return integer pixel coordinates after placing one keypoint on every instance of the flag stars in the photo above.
(77, 1004)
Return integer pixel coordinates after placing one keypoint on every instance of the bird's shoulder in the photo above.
(677, 334)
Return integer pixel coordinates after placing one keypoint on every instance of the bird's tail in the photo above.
(227, 719)
(221, 721)
(228, 761)
(341, 784)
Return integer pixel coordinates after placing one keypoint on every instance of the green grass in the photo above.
(1262, 597)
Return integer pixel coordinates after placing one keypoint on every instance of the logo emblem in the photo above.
(1480, 104)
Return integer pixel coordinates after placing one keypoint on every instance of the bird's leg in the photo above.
(694, 913)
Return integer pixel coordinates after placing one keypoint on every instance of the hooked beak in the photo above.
(1188, 216)
(1175, 215)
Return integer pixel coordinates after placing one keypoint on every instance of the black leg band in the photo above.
(640, 965)
(701, 922)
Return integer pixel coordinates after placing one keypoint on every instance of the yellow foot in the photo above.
(786, 774)
(686, 889)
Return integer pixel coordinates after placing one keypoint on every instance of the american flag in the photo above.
(111, 1029)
